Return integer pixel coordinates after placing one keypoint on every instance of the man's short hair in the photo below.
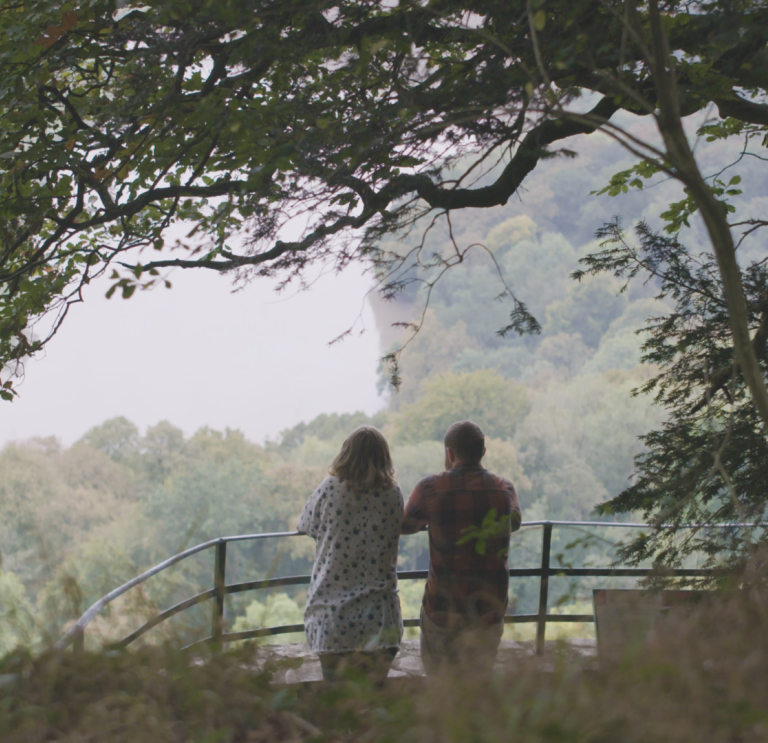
(466, 439)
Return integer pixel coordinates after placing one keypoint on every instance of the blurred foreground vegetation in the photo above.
(699, 677)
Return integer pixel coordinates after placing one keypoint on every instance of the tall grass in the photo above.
(701, 676)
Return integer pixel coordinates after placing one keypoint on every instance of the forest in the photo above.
(615, 350)
(557, 408)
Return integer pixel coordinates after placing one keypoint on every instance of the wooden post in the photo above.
(541, 620)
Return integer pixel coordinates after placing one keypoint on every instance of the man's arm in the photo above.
(515, 512)
(415, 516)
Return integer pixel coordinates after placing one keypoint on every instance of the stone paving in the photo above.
(407, 663)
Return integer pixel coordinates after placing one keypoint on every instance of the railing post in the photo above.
(541, 620)
(219, 583)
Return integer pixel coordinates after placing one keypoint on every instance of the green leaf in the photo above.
(490, 518)
(377, 46)
(539, 20)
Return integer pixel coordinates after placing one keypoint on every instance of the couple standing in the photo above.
(356, 517)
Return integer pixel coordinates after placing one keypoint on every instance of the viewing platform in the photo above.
(407, 662)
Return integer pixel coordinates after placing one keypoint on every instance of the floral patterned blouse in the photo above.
(352, 602)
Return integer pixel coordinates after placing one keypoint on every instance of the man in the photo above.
(470, 514)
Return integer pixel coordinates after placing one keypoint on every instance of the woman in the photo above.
(353, 610)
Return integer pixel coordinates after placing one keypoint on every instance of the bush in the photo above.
(278, 610)
(699, 677)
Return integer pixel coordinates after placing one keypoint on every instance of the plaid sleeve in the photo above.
(415, 517)
(515, 512)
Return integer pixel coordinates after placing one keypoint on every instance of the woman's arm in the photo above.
(311, 514)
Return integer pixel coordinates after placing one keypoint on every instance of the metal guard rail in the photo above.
(75, 636)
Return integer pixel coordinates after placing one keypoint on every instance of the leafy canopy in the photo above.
(237, 117)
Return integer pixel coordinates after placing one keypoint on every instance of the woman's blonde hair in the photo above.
(364, 459)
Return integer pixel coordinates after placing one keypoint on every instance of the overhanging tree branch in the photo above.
(234, 120)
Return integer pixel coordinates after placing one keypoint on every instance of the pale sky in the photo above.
(198, 355)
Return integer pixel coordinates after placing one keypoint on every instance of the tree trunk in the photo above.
(681, 158)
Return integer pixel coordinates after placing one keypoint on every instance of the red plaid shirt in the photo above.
(464, 586)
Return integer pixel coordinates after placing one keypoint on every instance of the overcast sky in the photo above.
(198, 355)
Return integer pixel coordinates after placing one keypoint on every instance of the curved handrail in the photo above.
(75, 633)
(77, 629)
(294, 580)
